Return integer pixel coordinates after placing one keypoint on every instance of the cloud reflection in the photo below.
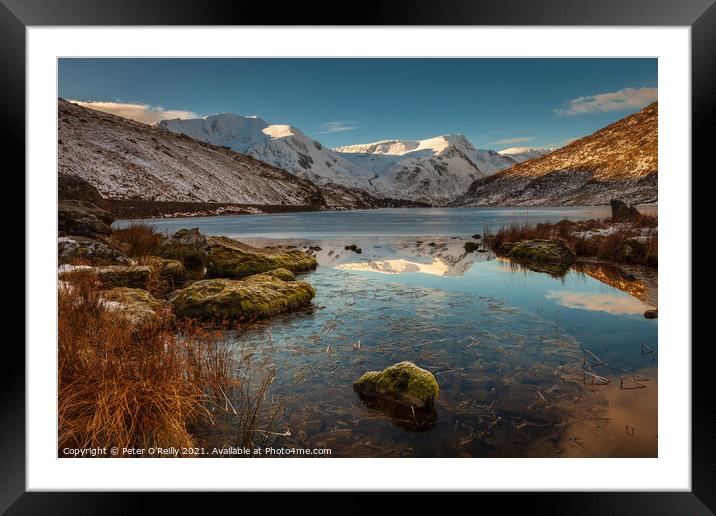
(610, 303)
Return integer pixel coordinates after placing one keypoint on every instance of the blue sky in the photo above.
(496, 103)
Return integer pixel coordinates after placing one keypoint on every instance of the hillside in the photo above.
(127, 160)
(432, 171)
(620, 160)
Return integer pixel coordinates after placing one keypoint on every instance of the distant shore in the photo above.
(145, 209)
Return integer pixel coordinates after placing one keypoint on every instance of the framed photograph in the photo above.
(415, 253)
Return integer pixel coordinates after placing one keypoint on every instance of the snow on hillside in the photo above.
(283, 146)
(433, 171)
(618, 161)
(124, 159)
(520, 154)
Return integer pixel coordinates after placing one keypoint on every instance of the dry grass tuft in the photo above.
(124, 386)
(144, 239)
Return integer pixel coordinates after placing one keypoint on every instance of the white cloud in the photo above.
(337, 127)
(623, 100)
(610, 303)
(135, 111)
(519, 139)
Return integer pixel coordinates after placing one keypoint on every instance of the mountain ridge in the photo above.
(432, 171)
(617, 161)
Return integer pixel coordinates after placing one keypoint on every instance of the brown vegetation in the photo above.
(136, 387)
(144, 239)
(595, 237)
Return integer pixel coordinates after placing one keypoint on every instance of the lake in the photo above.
(529, 364)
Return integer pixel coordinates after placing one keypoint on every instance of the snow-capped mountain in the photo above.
(433, 171)
(125, 159)
(282, 146)
(618, 161)
(520, 154)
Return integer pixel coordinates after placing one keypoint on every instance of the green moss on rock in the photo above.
(228, 258)
(187, 246)
(404, 383)
(111, 276)
(138, 307)
(238, 300)
(541, 251)
(282, 274)
(631, 251)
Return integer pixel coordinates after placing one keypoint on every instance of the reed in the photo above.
(144, 239)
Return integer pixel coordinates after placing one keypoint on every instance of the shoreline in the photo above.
(137, 209)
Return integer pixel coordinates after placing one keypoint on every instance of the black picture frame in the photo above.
(700, 15)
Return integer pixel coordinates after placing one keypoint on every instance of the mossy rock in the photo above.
(72, 249)
(111, 276)
(138, 307)
(471, 247)
(282, 274)
(404, 383)
(228, 258)
(631, 251)
(238, 300)
(167, 267)
(187, 246)
(541, 251)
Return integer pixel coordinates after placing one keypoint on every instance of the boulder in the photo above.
(471, 247)
(74, 187)
(403, 383)
(238, 300)
(631, 251)
(506, 247)
(81, 218)
(187, 246)
(73, 249)
(282, 274)
(166, 267)
(228, 258)
(541, 251)
(111, 276)
(621, 211)
(651, 314)
(137, 306)
(132, 276)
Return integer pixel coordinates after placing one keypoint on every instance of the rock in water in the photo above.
(228, 258)
(621, 211)
(651, 314)
(77, 248)
(471, 246)
(541, 251)
(548, 256)
(404, 383)
(238, 300)
(74, 187)
(188, 246)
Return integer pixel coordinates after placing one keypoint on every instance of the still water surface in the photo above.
(528, 364)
